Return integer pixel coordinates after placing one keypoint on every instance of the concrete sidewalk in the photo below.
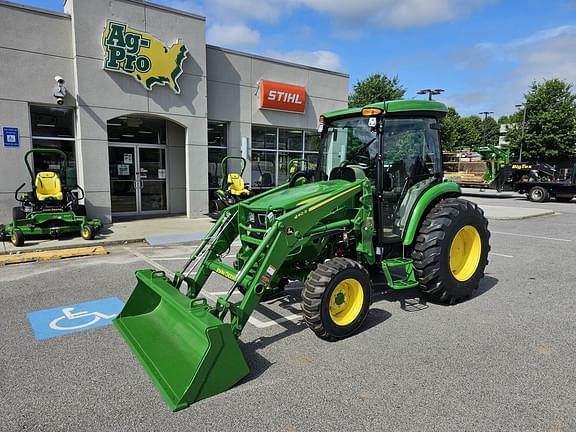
(157, 231)
(170, 230)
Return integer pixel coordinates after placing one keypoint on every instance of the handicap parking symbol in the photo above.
(60, 321)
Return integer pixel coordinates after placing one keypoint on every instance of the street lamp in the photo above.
(522, 105)
(486, 114)
(430, 92)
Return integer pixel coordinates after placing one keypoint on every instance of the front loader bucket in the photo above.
(188, 353)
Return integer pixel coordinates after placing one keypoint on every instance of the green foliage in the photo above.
(550, 128)
(450, 130)
(375, 88)
(470, 132)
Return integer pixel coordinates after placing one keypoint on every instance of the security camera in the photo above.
(59, 91)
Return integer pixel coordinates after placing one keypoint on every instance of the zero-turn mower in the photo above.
(384, 209)
(233, 188)
(50, 208)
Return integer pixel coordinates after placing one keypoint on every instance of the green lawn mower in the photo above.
(377, 206)
(51, 208)
(233, 188)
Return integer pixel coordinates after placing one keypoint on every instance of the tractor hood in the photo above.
(290, 198)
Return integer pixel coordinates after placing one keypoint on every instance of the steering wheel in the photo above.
(299, 175)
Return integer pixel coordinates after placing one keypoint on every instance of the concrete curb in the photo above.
(529, 216)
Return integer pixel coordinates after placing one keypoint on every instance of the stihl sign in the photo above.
(282, 97)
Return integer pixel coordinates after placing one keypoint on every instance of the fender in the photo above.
(440, 190)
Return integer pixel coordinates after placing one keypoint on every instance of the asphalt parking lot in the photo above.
(503, 361)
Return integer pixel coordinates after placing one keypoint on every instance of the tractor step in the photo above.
(398, 282)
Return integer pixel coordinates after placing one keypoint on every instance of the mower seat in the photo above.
(236, 185)
(48, 186)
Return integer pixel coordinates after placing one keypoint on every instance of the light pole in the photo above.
(522, 105)
(486, 114)
(430, 92)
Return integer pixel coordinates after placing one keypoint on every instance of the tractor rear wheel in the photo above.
(451, 250)
(336, 298)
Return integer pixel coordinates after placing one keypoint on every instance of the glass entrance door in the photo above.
(138, 179)
(152, 174)
(123, 186)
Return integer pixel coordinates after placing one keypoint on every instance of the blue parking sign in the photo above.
(11, 137)
(63, 320)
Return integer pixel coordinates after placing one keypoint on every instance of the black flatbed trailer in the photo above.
(541, 191)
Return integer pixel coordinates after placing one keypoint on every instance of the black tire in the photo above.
(538, 194)
(453, 222)
(18, 214)
(87, 232)
(564, 198)
(17, 238)
(329, 278)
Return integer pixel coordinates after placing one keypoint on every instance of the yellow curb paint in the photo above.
(51, 255)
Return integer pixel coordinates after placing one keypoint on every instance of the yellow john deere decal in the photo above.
(141, 55)
(226, 274)
(314, 207)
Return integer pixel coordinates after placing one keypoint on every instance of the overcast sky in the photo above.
(484, 53)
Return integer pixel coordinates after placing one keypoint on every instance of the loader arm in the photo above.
(186, 344)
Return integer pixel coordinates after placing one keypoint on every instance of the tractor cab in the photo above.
(398, 152)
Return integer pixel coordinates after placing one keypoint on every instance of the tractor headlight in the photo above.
(251, 218)
(271, 218)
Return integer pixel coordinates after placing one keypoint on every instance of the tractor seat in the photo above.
(48, 186)
(350, 173)
(236, 185)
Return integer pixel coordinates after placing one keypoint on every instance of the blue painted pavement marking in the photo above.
(63, 320)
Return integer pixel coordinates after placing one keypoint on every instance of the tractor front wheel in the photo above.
(336, 298)
(451, 250)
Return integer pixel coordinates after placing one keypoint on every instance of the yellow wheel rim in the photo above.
(346, 302)
(465, 253)
(13, 239)
(85, 233)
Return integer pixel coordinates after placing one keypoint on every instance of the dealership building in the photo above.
(145, 110)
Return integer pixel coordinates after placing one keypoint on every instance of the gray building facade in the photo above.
(150, 110)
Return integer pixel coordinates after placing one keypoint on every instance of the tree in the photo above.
(490, 131)
(450, 130)
(470, 132)
(375, 88)
(550, 128)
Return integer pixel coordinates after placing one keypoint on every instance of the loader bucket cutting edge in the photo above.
(188, 353)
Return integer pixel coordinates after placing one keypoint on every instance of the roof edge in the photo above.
(34, 9)
(278, 61)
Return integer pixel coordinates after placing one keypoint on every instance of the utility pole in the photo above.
(486, 114)
(522, 105)
(430, 92)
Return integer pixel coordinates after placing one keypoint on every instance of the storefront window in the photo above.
(140, 130)
(276, 153)
(53, 128)
(217, 150)
(290, 140)
(264, 138)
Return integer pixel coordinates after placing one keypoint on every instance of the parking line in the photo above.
(170, 258)
(254, 321)
(532, 236)
(501, 255)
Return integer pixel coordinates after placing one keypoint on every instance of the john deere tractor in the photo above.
(376, 204)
